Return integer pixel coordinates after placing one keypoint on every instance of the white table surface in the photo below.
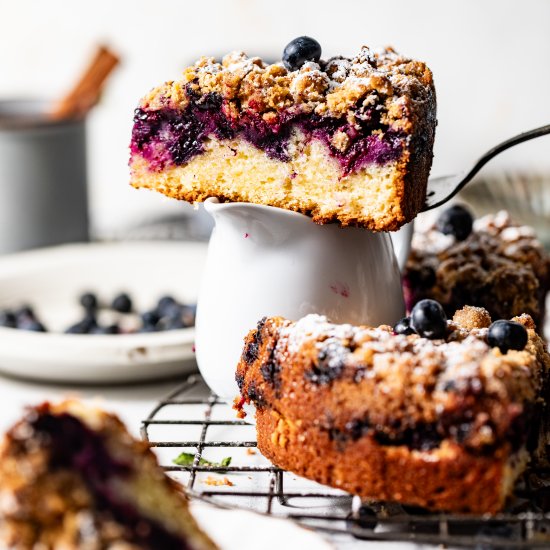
(131, 403)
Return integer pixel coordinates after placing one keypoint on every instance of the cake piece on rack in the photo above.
(447, 422)
(346, 140)
(491, 262)
(72, 477)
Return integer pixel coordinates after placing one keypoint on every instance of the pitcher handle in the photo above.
(402, 243)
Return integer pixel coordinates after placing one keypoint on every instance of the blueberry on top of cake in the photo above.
(491, 262)
(444, 420)
(72, 477)
(345, 140)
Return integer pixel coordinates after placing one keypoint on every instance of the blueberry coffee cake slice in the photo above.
(440, 414)
(72, 477)
(491, 262)
(345, 140)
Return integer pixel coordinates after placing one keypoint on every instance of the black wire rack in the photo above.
(193, 421)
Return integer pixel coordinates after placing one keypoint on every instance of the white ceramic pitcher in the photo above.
(265, 261)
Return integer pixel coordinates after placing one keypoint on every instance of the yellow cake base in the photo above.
(311, 182)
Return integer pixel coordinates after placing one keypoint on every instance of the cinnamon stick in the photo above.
(85, 94)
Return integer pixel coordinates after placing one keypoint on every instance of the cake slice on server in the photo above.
(72, 477)
(440, 414)
(347, 140)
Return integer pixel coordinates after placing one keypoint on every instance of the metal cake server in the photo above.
(444, 188)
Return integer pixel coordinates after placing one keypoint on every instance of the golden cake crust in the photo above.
(450, 478)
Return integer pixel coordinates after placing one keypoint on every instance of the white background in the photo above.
(490, 58)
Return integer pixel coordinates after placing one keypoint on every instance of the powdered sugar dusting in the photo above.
(461, 361)
(313, 327)
(333, 86)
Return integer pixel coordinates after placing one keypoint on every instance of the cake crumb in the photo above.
(238, 404)
(471, 317)
(250, 451)
(217, 482)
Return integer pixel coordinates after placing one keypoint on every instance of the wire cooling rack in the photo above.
(192, 420)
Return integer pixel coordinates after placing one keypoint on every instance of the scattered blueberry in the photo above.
(403, 327)
(169, 314)
(77, 328)
(173, 311)
(188, 315)
(111, 329)
(429, 320)
(164, 303)
(148, 328)
(8, 319)
(507, 335)
(171, 323)
(150, 318)
(457, 221)
(24, 313)
(122, 303)
(299, 51)
(88, 301)
(85, 326)
(32, 325)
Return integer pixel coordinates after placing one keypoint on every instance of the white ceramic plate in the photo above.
(52, 279)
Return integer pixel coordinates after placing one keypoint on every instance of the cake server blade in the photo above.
(443, 188)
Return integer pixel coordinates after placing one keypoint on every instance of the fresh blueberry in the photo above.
(32, 325)
(88, 301)
(189, 312)
(150, 318)
(8, 319)
(299, 51)
(77, 328)
(403, 327)
(174, 311)
(178, 316)
(122, 303)
(170, 323)
(164, 303)
(148, 328)
(85, 326)
(507, 335)
(457, 221)
(111, 329)
(429, 320)
(24, 312)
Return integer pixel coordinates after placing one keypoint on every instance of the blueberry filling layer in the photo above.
(462, 429)
(271, 371)
(171, 137)
(73, 446)
(252, 349)
(330, 362)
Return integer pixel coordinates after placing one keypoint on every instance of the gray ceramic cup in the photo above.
(43, 191)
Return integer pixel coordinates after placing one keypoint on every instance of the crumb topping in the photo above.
(333, 87)
(397, 358)
(500, 266)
